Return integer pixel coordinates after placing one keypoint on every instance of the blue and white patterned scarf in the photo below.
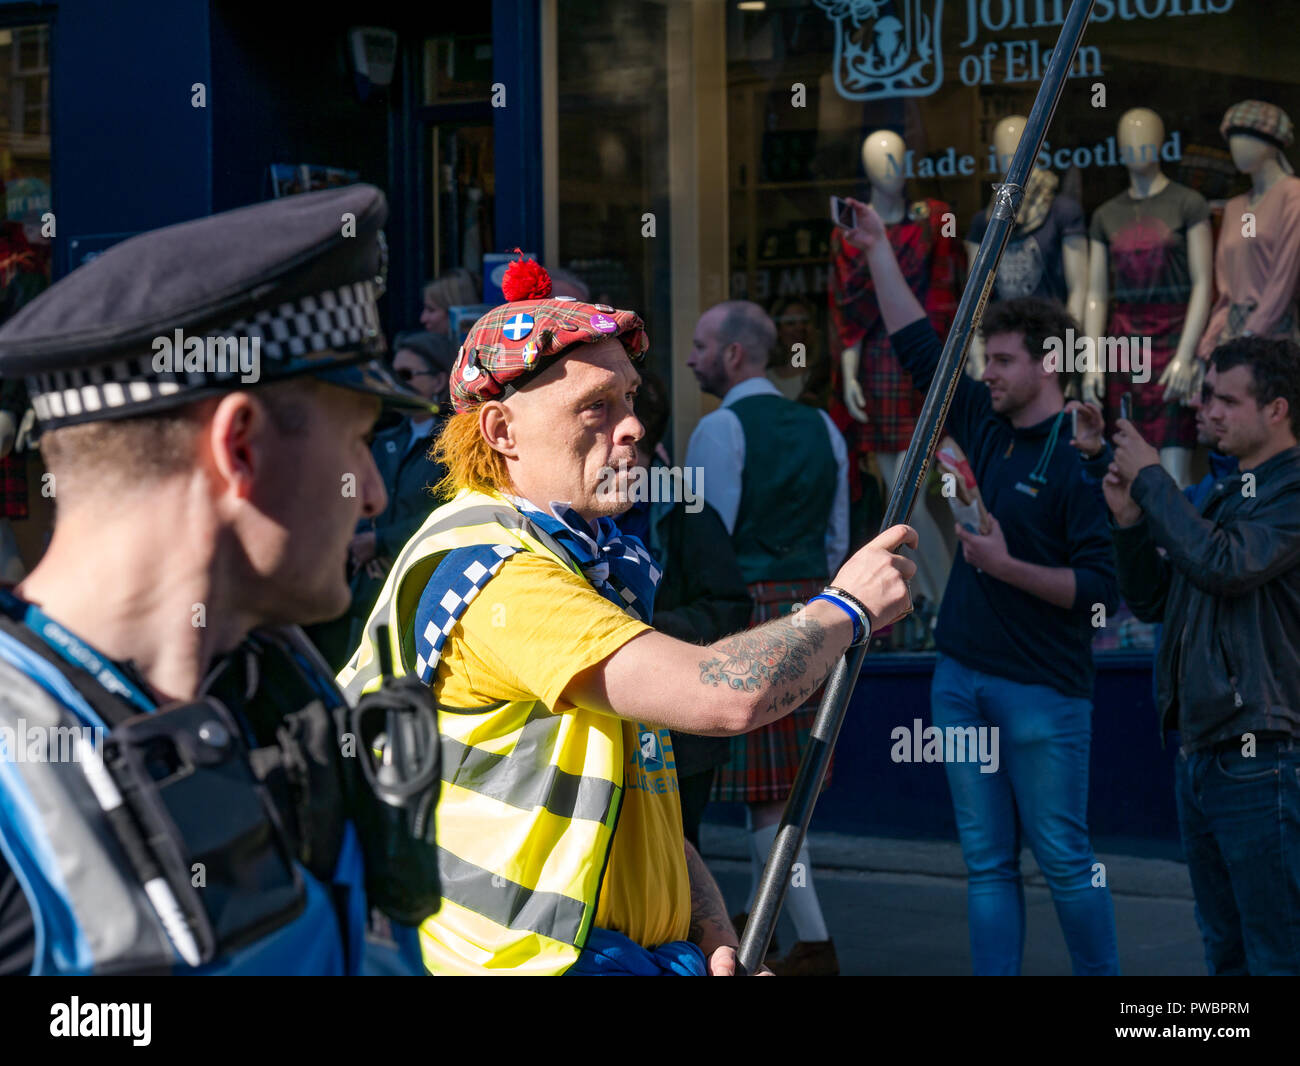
(617, 564)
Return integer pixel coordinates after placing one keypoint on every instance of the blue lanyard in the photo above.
(1039, 473)
(81, 654)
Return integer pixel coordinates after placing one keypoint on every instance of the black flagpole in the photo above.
(835, 701)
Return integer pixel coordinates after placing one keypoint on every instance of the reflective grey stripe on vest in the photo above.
(507, 902)
(526, 778)
(108, 902)
(500, 514)
(504, 515)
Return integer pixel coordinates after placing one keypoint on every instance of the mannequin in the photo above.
(1149, 276)
(1047, 253)
(1257, 264)
(873, 401)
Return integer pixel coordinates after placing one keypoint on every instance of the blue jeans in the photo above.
(1040, 788)
(1240, 820)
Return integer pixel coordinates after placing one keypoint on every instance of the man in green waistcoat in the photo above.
(776, 472)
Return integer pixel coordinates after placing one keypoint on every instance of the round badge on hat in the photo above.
(603, 324)
(530, 353)
(604, 307)
(518, 326)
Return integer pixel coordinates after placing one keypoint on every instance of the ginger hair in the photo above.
(471, 462)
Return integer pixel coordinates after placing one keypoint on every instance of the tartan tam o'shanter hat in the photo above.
(512, 343)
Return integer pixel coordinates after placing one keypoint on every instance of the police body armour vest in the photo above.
(92, 914)
(787, 490)
(529, 798)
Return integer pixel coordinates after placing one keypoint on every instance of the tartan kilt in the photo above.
(765, 762)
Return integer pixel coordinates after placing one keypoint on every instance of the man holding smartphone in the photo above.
(1017, 621)
(1224, 578)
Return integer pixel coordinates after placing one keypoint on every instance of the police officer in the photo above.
(174, 780)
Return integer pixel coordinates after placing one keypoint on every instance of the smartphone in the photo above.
(842, 213)
(1126, 407)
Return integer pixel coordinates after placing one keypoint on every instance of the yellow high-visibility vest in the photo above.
(529, 798)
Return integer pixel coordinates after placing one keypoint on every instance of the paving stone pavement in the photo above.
(898, 907)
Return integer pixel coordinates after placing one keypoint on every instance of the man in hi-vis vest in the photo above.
(559, 826)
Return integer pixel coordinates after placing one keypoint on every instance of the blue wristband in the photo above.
(858, 622)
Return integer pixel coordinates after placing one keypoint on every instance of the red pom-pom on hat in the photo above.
(525, 279)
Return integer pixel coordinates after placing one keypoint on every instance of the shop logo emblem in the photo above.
(886, 48)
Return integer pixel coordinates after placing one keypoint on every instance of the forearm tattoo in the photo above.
(710, 926)
(779, 656)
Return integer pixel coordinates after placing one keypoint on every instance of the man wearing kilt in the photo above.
(777, 473)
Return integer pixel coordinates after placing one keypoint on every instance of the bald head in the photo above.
(733, 342)
(744, 323)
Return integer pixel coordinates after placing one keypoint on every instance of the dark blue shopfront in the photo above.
(165, 110)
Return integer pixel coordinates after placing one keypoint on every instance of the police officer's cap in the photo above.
(254, 295)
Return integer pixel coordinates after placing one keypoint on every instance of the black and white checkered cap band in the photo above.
(270, 345)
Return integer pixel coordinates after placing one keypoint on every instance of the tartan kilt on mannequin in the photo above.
(765, 762)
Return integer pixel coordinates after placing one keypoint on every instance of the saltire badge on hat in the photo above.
(239, 299)
(514, 342)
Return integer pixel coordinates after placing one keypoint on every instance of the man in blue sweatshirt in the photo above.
(1016, 624)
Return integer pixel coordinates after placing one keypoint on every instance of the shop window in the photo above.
(459, 167)
(613, 156)
(457, 69)
(25, 263)
(808, 82)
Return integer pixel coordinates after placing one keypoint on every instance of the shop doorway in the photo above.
(456, 170)
(461, 195)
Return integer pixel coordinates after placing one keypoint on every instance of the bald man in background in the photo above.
(776, 472)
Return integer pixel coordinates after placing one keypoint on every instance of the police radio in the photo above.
(396, 728)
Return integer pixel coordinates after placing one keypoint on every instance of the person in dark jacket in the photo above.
(1221, 466)
(1016, 623)
(702, 596)
(423, 361)
(1227, 587)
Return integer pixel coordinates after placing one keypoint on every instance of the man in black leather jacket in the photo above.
(1226, 584)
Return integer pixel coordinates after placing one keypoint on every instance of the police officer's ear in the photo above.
(496, 423)
(240, 436)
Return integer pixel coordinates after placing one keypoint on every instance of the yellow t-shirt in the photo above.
(535, 626)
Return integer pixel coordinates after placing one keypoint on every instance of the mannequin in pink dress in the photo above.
(1257, 263)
